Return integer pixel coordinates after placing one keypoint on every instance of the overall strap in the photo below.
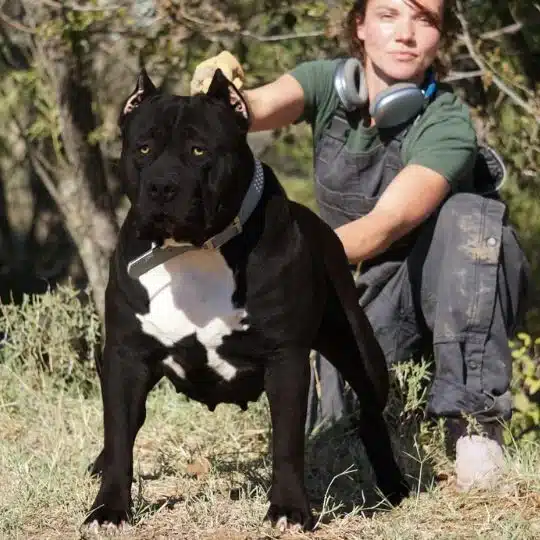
(343, 121)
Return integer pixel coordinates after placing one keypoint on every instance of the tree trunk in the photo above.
(5, 228)
(78, 183)
(83, 194)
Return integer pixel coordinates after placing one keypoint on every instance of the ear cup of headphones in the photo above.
(396, 104)
(350, 84)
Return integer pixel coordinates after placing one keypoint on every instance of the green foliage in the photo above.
(291, 152)
(526, 387)
(54, 333)
(299, 190)
(421, 440)
(27, 86)
(410, 386)
(74, 22)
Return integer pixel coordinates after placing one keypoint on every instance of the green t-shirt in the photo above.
(443, 137)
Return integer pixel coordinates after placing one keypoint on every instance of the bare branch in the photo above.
(44, 175)
(230, 28)
(78, 7)
(192, 19)
(43, 168)
(39, 167)
(283, 37)
(15, 24)
(510, 29)
(467, 40)
(459, 75)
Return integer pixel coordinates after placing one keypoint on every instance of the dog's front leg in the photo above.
(286, 385)
(126, 382)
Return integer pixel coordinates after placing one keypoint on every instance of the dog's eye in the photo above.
(197, 151)
(144, 149)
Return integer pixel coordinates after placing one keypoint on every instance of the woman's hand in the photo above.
(229, 65)
(271, 106)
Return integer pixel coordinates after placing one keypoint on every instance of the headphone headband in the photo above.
(393, 106)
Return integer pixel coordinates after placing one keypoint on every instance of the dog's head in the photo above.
(185, 160)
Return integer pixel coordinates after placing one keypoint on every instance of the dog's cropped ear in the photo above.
(222, 88)
(143, 90)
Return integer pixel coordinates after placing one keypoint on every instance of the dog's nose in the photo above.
(161, 191)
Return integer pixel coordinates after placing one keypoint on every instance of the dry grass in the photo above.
(203, 475)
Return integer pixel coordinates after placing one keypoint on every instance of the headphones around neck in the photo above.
(393, 106)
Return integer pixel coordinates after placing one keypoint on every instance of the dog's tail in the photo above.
(376, 379)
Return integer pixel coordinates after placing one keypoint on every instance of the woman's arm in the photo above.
(411, 197)
(439, 155)
(276, 104)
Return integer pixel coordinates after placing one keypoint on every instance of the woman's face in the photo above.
(401, 37)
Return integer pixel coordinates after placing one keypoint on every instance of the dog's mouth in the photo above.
(160, 227)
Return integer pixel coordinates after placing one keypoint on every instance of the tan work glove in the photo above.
(202, 77)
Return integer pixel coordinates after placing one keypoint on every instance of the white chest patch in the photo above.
(192, 294)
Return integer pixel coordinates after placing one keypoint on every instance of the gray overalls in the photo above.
(456, 284)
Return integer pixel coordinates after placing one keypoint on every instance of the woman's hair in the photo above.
(358, 11)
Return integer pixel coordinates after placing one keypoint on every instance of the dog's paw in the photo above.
(105, 520)
(292, 519)
(93, 529)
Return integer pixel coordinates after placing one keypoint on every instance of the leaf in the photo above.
(521, 403)
(534, 386)
(526, 338)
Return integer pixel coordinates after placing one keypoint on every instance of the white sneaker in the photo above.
(479, 459)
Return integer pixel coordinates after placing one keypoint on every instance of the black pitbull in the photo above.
(223, 285)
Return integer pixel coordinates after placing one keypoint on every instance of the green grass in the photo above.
(299, 190)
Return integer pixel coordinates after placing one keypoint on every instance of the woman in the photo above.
(439, 264)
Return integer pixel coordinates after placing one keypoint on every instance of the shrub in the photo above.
(526, 387)
(58, 333)
(55, 333)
